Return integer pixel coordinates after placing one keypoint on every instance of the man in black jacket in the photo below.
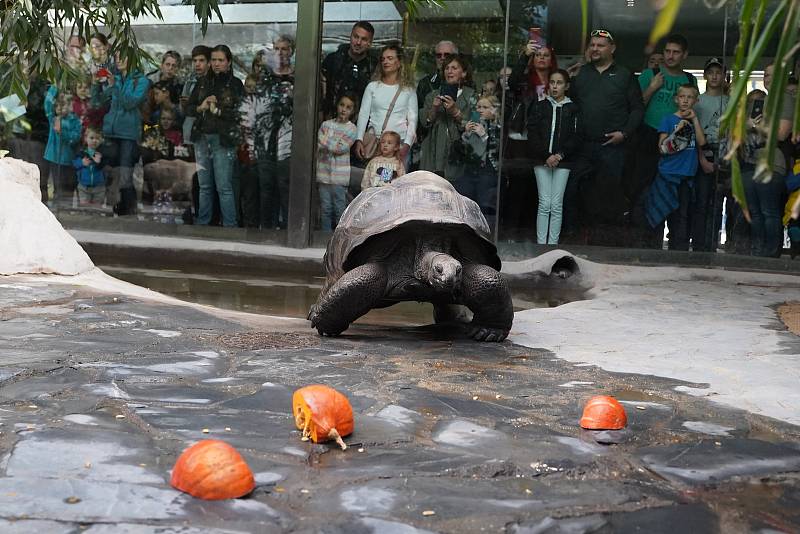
(610, 101)
(349, 69)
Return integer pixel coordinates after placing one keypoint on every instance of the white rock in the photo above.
(21, 172)
(31, 239)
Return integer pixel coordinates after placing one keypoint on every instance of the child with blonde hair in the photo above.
(481, 142)
(386, 166)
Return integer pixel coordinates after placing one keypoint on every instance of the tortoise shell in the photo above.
(418, 197)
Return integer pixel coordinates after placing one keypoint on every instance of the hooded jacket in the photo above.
(124, 118)
(91, 175)
(554, 128)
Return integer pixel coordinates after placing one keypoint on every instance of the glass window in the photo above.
(474, 95)
(192, 156)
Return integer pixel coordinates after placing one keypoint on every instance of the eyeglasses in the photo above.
(443, 54)
(602, 33)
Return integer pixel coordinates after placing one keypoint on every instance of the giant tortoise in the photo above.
(414, 239)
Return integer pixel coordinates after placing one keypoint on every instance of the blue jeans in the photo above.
(332, 202)
(209, 151)
(766, 210)
(123, 154)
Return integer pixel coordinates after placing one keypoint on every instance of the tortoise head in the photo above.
(441, 271)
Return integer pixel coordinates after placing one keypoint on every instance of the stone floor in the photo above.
(100, 391)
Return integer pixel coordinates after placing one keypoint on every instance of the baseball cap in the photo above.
(712, 62)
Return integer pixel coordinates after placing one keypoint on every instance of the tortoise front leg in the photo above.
(485, 292)
(353, 295)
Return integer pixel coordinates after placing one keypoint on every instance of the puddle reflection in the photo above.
(289, 296)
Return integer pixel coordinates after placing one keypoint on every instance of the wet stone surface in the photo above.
(100, 393)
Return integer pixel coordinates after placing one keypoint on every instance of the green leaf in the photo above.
(664, 21)
(737, 188)
(584, 23)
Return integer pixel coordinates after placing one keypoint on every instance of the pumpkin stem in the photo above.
(333, 434)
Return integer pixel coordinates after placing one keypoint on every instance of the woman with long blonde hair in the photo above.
(389, 103)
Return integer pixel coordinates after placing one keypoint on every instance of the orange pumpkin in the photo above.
(603, 413)
(212, 470)
(322, 413)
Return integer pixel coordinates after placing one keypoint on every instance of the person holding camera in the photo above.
(764, 197)
(445, 113)
(481, 142)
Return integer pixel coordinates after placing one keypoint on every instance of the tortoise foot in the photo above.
(322, 328)
(486, 333)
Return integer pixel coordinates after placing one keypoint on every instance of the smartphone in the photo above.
(535, 35)
(474, 116)
(450, 90)
(656, 70)
(758, 108)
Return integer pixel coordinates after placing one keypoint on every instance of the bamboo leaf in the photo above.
(737, 188)
(584, 23)
(664, 21)
(739, 91)
(777, 93)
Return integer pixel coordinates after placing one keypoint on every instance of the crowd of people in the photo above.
(597, 144)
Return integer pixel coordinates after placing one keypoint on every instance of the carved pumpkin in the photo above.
(212, 470)
(603, 413)
(322, 413)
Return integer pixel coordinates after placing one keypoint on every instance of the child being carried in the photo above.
(387, 166)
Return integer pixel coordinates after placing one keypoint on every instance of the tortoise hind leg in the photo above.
(353, 295)
(485, 293)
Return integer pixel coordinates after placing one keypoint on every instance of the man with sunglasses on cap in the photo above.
(610, 101)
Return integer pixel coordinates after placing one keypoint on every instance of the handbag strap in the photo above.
(391, 107)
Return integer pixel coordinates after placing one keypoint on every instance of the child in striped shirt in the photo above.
(334, 139)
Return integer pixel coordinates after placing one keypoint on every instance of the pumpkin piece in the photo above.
(322, 413)
(603, 413)
(212, 470)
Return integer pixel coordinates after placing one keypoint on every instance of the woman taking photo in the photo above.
(122, 128)
(527, 84)
(531, 75)
(389, 104)
(445, 113)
